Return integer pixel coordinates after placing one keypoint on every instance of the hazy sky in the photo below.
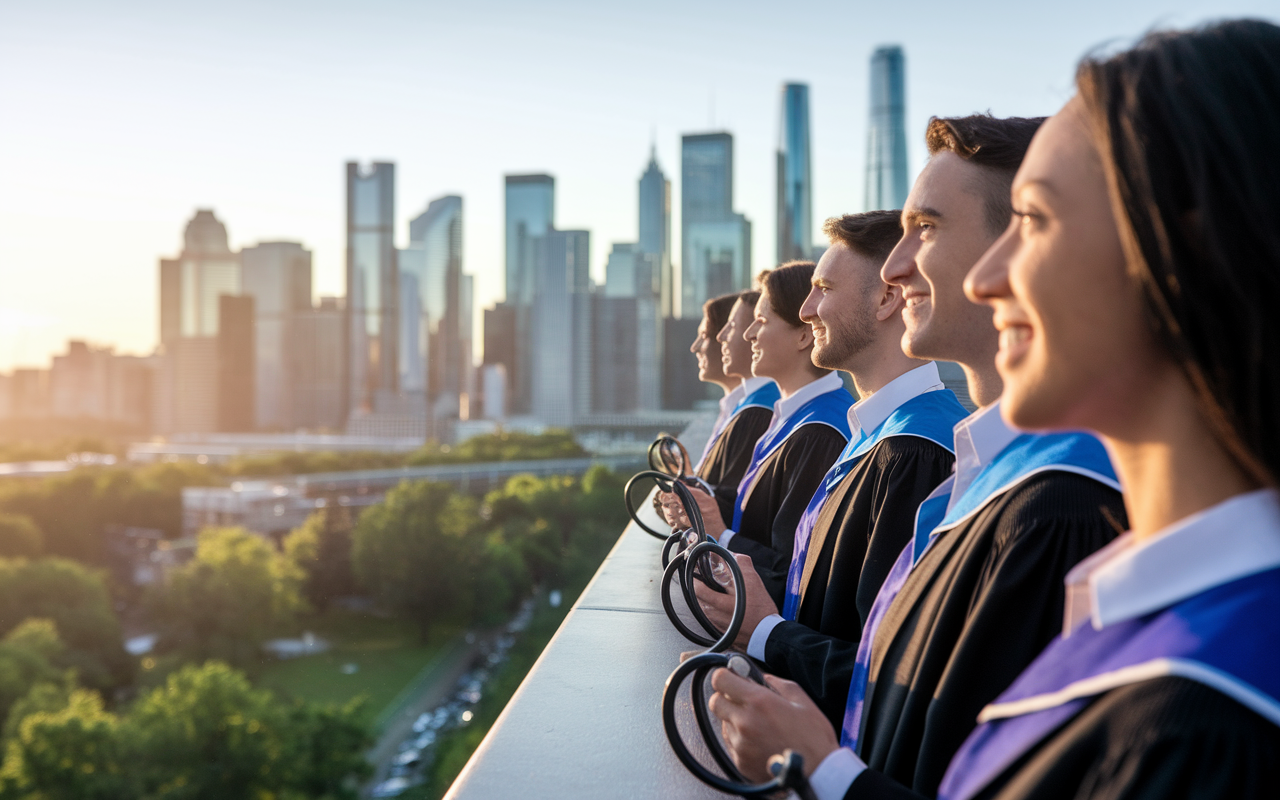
(119, 119)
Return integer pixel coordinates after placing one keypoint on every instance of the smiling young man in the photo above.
(977, 594)
(863, 513)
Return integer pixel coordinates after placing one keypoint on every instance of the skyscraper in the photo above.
(191, 286)
(795, 183)
(887, 135)
(317, 367)
(277, 275)
(236, 344)
(373, 301)
(655, 228)
(715, 241)
(627, 372)
(530, 214)
(560, 327)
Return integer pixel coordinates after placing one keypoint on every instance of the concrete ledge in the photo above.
(586, 722)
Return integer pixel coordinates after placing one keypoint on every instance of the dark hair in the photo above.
(717, 310)
(1186, 124)
(787, 287)
(991, 142)
(750, 297)
(873, 234)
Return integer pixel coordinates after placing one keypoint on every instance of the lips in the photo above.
(1015, 341)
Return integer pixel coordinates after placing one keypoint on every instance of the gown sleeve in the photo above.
(804, 462)
(865, 549)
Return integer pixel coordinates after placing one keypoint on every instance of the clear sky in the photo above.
(118, 119)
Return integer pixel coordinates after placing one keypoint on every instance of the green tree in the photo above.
(416, 552)
(73, 753)
(229, 598)
(77, 602)
(320, 549)
(326, 750)
(29, 655)
(19, 536)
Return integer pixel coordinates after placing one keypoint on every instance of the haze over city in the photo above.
(121, 119)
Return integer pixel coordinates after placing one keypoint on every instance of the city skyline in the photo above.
(105, 104)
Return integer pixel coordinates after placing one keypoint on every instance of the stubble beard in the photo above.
(844, 341)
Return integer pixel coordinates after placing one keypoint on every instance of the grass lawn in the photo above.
(387, 654)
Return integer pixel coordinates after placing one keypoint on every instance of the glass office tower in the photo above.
(432, 362)
(277, 275)
(887, 136)
(715, 242)
(795, 182)
(560, 329)
(530, 214)
(373, 301)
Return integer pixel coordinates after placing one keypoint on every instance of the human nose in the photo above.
(697, 344)
(809, 311)
(900, 263)
(750, 333)
(988, 280)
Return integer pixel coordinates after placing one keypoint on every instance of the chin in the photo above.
(1032, 403)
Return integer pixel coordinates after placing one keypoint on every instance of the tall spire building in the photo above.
(655, 228)
(887, 137)
(795, 182)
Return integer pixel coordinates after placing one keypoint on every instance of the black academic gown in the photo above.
(982, 603)
(787, 481)
(1168, 738)
(729, 457)
(867, 520)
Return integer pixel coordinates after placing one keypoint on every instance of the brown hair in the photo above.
(1185, 124)
(717, 310)
(997, 144)
(873, 234)
(787, 287)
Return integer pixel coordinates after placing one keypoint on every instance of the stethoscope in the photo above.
(689, 555)
(668, 460)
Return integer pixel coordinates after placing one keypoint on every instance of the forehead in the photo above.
(946, 185)
(1061, 151)
(842, 262)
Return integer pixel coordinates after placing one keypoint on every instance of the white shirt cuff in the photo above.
(760, 636)
(723, 538)
(837, 772)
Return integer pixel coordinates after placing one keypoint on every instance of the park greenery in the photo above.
(194, 718)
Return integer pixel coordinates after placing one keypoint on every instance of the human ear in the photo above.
(890, 302)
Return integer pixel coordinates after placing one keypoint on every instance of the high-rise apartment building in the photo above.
(277, 275)
(655, 229)
(373, 300)
(560, 327)
(795, 176)
(887, 135)
(716, 242)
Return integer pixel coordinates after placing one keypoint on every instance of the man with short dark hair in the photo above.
(978, 593)
(863, 513)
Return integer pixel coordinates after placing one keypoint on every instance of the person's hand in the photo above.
(759, 722)
(710, 509)
(719, 607)
(672, 510)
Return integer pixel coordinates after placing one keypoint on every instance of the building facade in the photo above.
(715, 241)
(560, 327)
(277, 275)
(887, 135)
(529, 205)
(373, 301)
(655, 229)
(795, 176)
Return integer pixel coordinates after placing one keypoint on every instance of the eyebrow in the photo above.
(821, 283)
(913, 215)
(1042, 183)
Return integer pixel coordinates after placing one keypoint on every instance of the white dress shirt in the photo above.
(783, 409)
(864, 417)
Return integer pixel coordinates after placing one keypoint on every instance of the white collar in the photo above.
(732, 398)
(979, 438)
(753, 383)
(785, 407)
(867, 414)
(1126, 579)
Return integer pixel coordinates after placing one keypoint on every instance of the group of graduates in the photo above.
(1075, 590)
